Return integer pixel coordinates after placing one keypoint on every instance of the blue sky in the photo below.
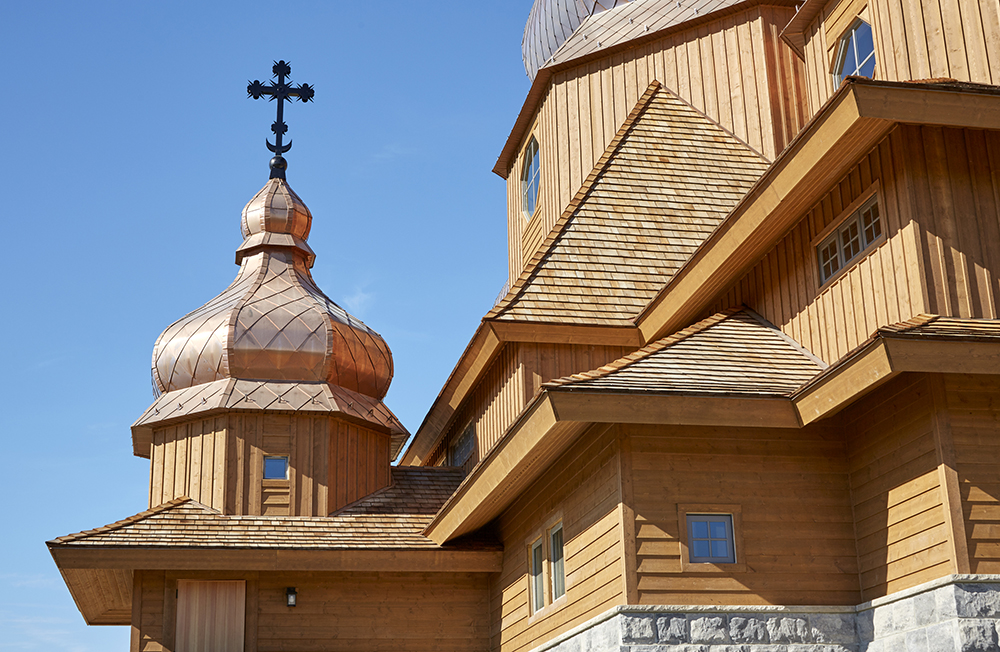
(132, 149)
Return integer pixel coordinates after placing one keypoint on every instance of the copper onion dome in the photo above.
(273, 323)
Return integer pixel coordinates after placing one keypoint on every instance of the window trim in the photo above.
(542, 537)
(263, 469)
(536, 582)
(553, 575)
(854, 208)
(732, 510)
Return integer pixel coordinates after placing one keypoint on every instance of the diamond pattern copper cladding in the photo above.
(273, 323)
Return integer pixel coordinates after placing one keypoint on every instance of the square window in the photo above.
(275, 468)
(710, 538)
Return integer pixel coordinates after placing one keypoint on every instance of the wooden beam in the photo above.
(429, 561)
(844, 383)
(944, 357)
(515, 331)
(674, 409)
(951, 501)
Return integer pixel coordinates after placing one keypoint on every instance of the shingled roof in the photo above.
(391, 519)
(735, 352)
(665, 182)
(937, 327)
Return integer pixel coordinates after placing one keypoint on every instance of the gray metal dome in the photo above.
(550, 23)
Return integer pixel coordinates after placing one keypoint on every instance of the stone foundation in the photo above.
(959, 613)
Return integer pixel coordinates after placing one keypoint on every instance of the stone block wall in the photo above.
(959, 613)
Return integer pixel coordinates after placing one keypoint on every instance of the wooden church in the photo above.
(742, 395)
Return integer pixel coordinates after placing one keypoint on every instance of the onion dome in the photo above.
(550, 24)
(273, 323)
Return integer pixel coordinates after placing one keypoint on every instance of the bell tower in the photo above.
(269, 396)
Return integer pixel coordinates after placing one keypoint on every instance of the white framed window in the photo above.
(275, 467)
(557, 563)
(530, 179)
(710, 539)
(537, 560)
(856, 54)
(855, 235)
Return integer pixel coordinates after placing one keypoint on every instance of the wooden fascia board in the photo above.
(674, 409)
(192, 559)
(844, 383)
(530, 446)
(968, 108)
(520, 331)
(474, 361)
(794, 31)
(883, 359)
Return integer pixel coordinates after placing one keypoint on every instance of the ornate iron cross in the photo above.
(282, 91)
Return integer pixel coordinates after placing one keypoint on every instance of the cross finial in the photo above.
(282, 91)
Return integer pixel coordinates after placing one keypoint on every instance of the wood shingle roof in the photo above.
(392, 519)
(665, 182)
(734, 353)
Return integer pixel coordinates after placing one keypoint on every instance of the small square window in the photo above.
(275, 468)
(710, 538)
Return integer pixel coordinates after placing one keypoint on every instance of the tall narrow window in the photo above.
(858, 233)
(530, 178)
(856, 55)
(558, 565)
(537, 581)
(461, 448)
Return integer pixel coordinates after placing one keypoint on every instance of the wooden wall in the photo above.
(920, 39)
(359, 463)
(937, 193)
(582, 492)
(514, 377)
(902, 522)
(220, 461)
(393, 612)
(974, 411)
(792, 490)
(735, 69)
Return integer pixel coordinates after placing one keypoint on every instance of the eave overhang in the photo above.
(558, 416)
(480, 352)
(850, 124)
(100, 577)
(882, 358)
(540, 85)
(794, 32)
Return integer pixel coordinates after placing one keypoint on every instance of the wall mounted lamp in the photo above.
(290, 595)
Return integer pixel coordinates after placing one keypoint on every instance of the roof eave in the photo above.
(794, 31)
(854, 120)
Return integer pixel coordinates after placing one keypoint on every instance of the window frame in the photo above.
(536, 577)
(831, 233)
(532, 153)
(263, 471)
(846, 40)
(557, 574)
(732, 510)
(726, 520)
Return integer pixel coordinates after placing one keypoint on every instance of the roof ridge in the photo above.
(648, 350)
(921, 319)
(131, 520)
(535, 262)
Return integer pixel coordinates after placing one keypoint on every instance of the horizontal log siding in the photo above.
(974, 410)
(902, 530)
(735, 69)
(792, 488)
(914, 40)
(582, 491)
(938, 200)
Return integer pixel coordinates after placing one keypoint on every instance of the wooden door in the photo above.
(210, 616)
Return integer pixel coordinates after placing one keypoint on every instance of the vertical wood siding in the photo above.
(792, 488)
(219, 462)
(902, 531)
(735, 69)
(514, 377)
(582, 491)
(974, 407)
(359, 463)
(938, 198)
(914, 39)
